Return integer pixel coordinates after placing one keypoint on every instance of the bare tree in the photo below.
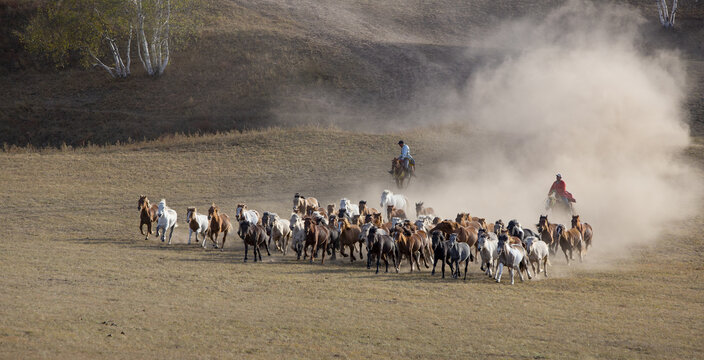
(667, 19)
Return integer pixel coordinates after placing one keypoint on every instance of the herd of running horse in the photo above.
(313, 231)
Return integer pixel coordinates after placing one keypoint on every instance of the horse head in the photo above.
(190, 213)
(438, 237)
(528, 243)
(213, 212)
(575, 221)
(142, 202)
(161, 208)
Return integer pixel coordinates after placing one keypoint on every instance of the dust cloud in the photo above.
(572, 93)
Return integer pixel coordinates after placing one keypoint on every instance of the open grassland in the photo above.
(79, 281)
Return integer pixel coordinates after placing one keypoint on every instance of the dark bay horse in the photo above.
(254, 235)
(317, 237)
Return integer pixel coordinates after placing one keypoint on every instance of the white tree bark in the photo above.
(119, 68)
(667, 18)
(154, 52)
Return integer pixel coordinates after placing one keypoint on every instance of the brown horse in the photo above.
(584, 229)
(331, 209)
(303, 205)
(392, 212)
(377, 220)
(218, 223)
(254, 235)
(147, 215)
(469, 235)
(447, 227)
(571, 240)
(463, 219)
(364, 211)
(399, 173)
(409, 246)
(549, 233)
(317, 237)
(420, 210)
(349, 236)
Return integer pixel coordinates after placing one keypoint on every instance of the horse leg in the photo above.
(171, 233)
(466, 265)
(314, 251)
(246, 248)
(323, 257)
(435, 263)
(567, 257)
(499, 272)
(378, 259)
(190, 231)
(545, 266)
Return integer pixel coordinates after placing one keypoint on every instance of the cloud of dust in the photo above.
(571, 93)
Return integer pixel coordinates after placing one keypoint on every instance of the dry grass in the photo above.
(79, 282)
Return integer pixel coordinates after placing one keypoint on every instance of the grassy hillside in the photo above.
(266, 63)
(79, 281)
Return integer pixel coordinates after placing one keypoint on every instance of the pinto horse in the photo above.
(147, 215)
(197, 223)
(218, 223)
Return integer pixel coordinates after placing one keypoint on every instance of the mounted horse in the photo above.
(166, 221)
(255, 235)
(147, 215)
(584, 229)
(400, 173)
(218, 223)
(197, 223)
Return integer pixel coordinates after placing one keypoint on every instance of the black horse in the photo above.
(440, 251)
(381, 245)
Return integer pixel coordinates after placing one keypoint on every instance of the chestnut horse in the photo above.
(571, 240)
(584, 229)
(392, 212)
(218, 223)
(349, 236)
(317, 237)
(147, 215)
(549, 233)
(409, 245)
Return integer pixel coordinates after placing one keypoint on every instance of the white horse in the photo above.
(298, 233)
(397, 200)
(425, 223)
(537, 251)
(350, 209)
(280, 232)
(167, 220)
(488, 246)
(512, 256)
(242, 213)
(197, 223)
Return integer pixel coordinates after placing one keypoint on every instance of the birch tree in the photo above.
(101, 32)
(667, 18)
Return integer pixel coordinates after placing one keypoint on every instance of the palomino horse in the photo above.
(147, 215)
(584, 229)
(255, 235)
(197, 223)
(218, 223)
(399, 173)
(420, 210)
(303, 205)
(166, 221)
(317, 237)
(549, 233)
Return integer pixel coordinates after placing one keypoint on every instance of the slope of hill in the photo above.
(348, 63)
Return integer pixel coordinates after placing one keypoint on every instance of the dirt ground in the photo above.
(79, 281)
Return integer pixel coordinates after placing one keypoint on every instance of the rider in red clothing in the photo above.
(560, 189)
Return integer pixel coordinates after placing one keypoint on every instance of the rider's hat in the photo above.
(400, 142)
(558, 175)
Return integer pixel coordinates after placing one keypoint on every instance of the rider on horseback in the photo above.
(406, 159)
(559, 188)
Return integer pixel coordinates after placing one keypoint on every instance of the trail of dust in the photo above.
(571, 93)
